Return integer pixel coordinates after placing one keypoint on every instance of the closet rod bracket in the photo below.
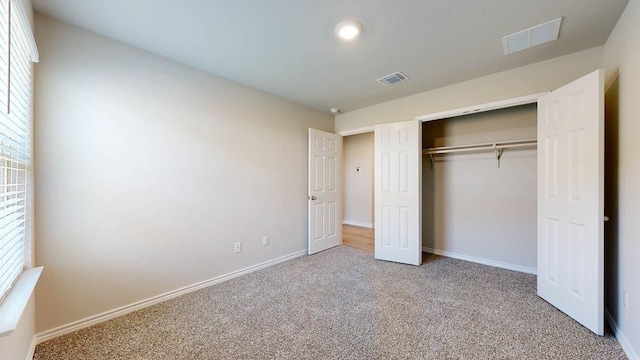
(498, 151)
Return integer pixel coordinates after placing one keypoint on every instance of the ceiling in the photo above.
(288, 47)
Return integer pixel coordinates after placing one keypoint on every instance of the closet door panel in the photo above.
(398, 162)
(571, 200)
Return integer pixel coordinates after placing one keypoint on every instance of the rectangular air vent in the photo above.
(533, 36)
(392, 79)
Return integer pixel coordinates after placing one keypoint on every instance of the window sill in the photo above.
(12, 307)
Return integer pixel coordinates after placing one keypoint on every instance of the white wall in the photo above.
(622, 64)
(525, 80)
(357, 153)
(472, 208)
(148, 171)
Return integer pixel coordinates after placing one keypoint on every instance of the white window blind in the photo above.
(4, 56)
(17, 48)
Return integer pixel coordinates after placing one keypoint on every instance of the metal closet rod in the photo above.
(480, 147)
(497, 147)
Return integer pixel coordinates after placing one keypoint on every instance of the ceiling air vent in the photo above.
(392, 79)
(533, 36)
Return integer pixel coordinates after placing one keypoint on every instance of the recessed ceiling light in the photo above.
(348, 30)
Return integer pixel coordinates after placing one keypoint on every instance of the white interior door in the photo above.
(398, 179)
(325, 193)
(571, 200)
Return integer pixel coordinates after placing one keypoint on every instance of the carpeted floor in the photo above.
(343, 304)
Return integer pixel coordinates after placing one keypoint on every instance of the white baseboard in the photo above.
(32, 348)
(481, 261)
(624, 342)
(357, 223)
(108, 315)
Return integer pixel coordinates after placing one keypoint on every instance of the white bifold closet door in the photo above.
(398, 179)
(571, 200)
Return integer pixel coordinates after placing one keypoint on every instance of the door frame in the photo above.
(358, 131)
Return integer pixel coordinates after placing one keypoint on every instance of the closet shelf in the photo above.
(497, 147)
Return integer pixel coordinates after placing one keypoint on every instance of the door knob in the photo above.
(312, 197)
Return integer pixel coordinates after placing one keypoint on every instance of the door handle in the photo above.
(312, 197)
(606, 218)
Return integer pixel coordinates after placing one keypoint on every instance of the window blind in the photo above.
(16, 41)
(4, 56)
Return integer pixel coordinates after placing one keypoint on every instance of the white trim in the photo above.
(32, 348)
(26, 25)
(362, 130)
(624, 342)
(13, 306)
(357, 223)
(108, 315)
(482, 261)
(495, 105)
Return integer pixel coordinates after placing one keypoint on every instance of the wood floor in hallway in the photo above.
(360, 238)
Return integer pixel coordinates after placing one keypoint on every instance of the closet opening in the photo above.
(479, 187)
(478, 201)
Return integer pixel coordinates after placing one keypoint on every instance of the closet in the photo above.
(516, 183)
(479, 187)
(489, 206)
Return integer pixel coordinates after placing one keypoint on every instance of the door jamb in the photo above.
(362, 130)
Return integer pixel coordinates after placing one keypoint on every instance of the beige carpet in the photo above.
(343, 304)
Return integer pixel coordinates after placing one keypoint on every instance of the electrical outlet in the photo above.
(237, 247)
(265, 240)
(625, 299)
